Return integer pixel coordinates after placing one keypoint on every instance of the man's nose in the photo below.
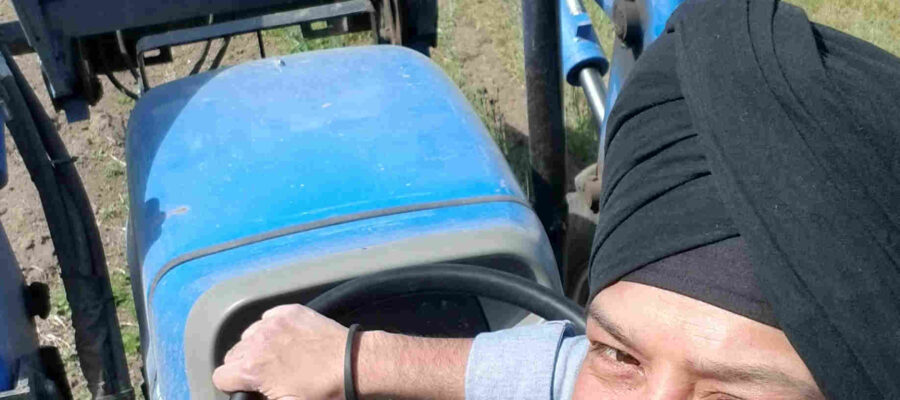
(668, 384)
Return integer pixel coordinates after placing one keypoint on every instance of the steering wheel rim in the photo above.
(450, 278)
(446, 278)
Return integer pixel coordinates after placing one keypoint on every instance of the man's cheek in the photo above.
(595, 382)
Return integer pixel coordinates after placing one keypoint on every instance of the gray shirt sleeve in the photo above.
(538, 362)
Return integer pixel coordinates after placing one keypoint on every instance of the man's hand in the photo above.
(295, 353)
(291, 353)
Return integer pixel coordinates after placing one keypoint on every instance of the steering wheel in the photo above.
(446, 278)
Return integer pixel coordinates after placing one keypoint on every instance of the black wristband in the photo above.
(349, 387)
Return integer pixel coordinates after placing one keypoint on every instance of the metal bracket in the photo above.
(22, 391)
(13, 36)
(246, 25)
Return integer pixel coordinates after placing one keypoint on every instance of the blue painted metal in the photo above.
(4, 175)
(654, 15)
(658, 13)
(17, 335)
(281, 142)
(179, 291)
(607, 6)
(622, 61)
(10, 277)
(579, 45)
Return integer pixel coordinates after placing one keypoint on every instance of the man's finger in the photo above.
(236, 353)
(286, 309)
(253, 328)
(229, 378)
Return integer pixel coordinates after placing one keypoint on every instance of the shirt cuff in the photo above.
(521, 363)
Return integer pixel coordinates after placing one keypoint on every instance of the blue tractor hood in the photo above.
(286, 141)
(255, 174)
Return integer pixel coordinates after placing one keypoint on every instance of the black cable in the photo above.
(125, 56)
(221, 54)
(115, 81)
(112, 79)
(262, 46)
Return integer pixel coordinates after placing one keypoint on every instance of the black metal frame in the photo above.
(546, 130)
(344, 10)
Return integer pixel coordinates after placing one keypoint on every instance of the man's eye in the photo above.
(614, 354)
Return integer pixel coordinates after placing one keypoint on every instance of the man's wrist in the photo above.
(396, 366)
(371, 369)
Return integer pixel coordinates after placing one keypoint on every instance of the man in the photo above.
(748, 247)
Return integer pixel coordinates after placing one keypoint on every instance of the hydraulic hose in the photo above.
(75, 236)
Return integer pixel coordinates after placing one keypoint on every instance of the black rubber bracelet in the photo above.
(349, 387)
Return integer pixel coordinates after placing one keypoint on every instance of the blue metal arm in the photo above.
(583, 60)
(579, 45)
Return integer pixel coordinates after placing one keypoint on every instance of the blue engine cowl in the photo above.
(280, 177)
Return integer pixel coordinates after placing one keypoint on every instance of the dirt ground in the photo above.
(480, 48)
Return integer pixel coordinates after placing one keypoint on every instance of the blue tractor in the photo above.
(356, 180)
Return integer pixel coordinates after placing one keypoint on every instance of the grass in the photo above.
(124, 100)
(121, 287)
(290, 40)
(500, 21)
(875, 21)
(512, 147)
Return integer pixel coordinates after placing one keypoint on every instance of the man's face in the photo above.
(647, 343)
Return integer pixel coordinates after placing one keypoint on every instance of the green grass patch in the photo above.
(514, 148)
(290, 40)
(875, 21)
(122, 296)
(59, 304)
(581, 126)
(508, 45)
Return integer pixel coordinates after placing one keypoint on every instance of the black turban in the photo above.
(751, 144)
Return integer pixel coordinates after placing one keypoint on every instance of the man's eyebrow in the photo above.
(757, 374)
(599, 317)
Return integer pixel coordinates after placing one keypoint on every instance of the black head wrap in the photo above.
(748, 138)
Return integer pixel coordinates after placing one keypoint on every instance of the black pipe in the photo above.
(261, 43)
(546, 132)
(75, 236)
